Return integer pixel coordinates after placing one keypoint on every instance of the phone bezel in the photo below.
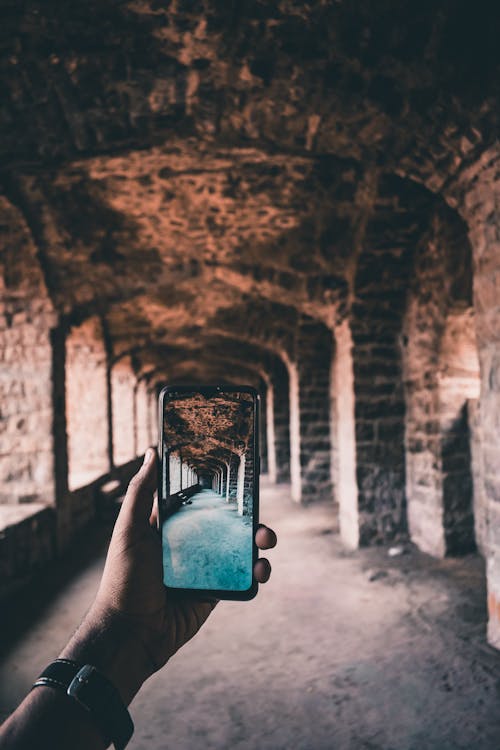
(212, 390)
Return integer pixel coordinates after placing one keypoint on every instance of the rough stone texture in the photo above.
(441, 372)
(360, 651)
(345, 436)
(479, 199)
(27, 542)
(458, 381)
(480, 504)
(380, 286)
(33, 535)
(142, 415)
(203, 176)
(26, 411)
(314, 353)
(86, 404)
(123, 407)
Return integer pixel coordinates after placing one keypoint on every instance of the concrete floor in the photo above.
(207, 545)
(340, 651)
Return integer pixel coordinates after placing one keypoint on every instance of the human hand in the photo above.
(132, 602)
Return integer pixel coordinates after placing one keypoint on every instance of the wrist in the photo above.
(106, 641)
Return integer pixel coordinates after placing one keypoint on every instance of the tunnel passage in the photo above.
(301, 198)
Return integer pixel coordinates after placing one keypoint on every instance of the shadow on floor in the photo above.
(24, 607)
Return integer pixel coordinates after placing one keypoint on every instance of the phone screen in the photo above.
(208, 491)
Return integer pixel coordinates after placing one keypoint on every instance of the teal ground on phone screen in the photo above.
(206, 545)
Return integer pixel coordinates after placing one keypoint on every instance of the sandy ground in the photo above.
(339, 650)
(206, 545)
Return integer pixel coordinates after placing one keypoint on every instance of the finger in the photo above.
(262, 570)
(138, 502)
(265, 538)
(155, 515)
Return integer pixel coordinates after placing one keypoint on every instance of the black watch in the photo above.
(88, 687)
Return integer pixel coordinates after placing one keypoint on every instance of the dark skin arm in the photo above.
(133, 627)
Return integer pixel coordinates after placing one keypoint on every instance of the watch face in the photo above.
(91, 689)
(78, 687)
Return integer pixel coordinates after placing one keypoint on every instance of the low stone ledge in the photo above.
(33, 534)
(27, 541)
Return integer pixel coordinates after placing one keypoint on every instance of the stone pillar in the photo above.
(122, 396)
(480, 506)
(458, 382)
(281, 400)
(441, 371)
(263, 428)
(185, 477)
(376, 319)
(86, 403)
(424, 489)
(482, 213)
(233, 478)
(174, 473)
(314, 359)
(29, 386)
(294, 426)
(142, 411)
(228, 479)
(347, 488)
(270, 429)
(241, 485)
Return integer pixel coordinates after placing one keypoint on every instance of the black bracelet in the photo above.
(84, 684)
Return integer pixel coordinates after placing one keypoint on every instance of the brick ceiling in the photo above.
(193, 170)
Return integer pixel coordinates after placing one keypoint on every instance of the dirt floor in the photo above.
(207, 545)
(340, 651)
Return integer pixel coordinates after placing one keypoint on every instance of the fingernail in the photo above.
(148, 456)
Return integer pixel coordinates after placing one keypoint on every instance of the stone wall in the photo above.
(458, 382)
(380, 285)
(26, 395)
(479, 201)
(279, 379)
(480, 505)
(314, 352)
(440, 373)
(142, 417)
(222, 191)
(86, 403)
(123, 408)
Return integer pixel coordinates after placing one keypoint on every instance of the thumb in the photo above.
(138, 502)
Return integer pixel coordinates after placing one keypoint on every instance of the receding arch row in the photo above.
(306, 349)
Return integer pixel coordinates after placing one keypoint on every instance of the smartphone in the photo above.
(208, 495)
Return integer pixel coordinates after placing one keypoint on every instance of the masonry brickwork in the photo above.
(302, 197)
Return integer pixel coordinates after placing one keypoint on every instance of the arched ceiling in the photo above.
(200, 167)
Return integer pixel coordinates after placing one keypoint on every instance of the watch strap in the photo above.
(84, 684)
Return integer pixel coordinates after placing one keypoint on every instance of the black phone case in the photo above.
(212, 389)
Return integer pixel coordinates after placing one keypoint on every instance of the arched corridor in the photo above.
(299, 197)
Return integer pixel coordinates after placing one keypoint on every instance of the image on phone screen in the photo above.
(207, 494)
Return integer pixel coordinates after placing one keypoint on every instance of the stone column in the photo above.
(347, 488)
(32, 377)
(294, 427)
(281, 400)
(122, 396)
(86, 403)
(481, 210)
(270, 429)
(228, 479)
(142, 410)
(314, 361)
(241, 485)
(152, 417)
